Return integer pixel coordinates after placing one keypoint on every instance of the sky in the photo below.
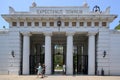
(23, 5)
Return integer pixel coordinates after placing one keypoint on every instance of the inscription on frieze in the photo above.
(57, 12)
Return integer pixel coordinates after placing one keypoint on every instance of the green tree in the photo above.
(118, 26)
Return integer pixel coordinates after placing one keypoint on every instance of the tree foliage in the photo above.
(117, 27)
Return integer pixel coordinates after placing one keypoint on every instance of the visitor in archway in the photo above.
(43, 71)
(64, 68)
(39, 70)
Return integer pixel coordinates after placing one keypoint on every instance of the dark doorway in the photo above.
(80, 61)
(37, 56)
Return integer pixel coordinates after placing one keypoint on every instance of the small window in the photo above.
(104, 23)
(66, 23)
(28, 23)
(43, 23)
(73, 23)
(14, 23)
(81, 24)
(36, 23)
(21, 23)
(96, 23)
(88, 23)
(51, 23)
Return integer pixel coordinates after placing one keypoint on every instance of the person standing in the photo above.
(43, 70)
(64, 67)
(39, 70)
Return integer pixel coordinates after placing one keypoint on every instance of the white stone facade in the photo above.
(101, 44)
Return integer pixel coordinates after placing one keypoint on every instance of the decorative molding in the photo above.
(115, 31)
(26, 33)
(48, 33)
(70, 33)
(92, 33)
(3, 31)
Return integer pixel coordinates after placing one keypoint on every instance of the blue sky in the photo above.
(23, 5)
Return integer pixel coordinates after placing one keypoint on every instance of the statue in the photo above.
(85, 4)
(34, 4)
(107, 10)
(96, 8)
(11, 10)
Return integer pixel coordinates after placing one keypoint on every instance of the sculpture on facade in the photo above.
(96, 8)
(107, 11)
(11, 10)
(34, 4)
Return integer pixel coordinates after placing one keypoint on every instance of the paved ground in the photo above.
(54, 77)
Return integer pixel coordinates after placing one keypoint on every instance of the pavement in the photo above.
(57, 77)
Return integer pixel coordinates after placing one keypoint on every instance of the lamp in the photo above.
(104, 54)
(12, 53)
(59, 23)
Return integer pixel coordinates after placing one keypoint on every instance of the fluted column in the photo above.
(91, 53)
(26, 52)
(69, 56)
(48, 52)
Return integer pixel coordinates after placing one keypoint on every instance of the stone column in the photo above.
(26, 52)
(48, 52)
(91, 53)
(69, 55)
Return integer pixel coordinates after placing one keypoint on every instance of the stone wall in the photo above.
(103, 46)
(115, 52)
(15, 46)
(4, 52)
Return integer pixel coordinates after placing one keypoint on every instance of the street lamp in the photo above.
(104, 54)
(59, 23)
(12, 53)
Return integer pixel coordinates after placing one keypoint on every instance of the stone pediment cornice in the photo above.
(62, 17)
(3, 31)
(115, 31)
(64, 12)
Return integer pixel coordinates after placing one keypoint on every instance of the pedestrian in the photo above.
(43, 70)
(39, 70)
(64, 68)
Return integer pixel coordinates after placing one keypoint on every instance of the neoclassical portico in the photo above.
(69, 52)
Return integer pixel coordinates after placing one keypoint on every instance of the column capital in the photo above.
(26, 33)
(92, 33)
(70, 33)
(48, 33)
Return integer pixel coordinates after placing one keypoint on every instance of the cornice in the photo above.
(62, 17)
(115, 31)
(3, 31)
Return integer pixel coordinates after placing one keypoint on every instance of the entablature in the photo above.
(108, 18)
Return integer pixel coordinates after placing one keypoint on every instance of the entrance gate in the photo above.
(58, 52)
(37, 56)
(58, 59)
(80, 61)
